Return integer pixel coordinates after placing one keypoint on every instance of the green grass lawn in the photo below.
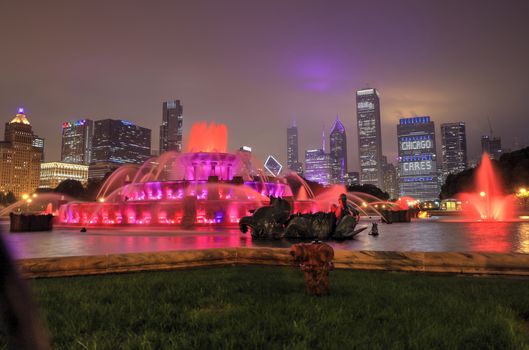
(266, 307)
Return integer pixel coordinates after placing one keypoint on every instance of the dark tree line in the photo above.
(75, 189)
(512, 169)
(369, 189)
(7, 198)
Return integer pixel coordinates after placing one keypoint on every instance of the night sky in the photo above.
(258, 65)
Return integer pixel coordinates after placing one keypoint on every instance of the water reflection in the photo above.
(421, 235)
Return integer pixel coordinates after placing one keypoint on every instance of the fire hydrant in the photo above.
(315, 260)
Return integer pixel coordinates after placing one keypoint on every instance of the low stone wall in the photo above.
(459, 263)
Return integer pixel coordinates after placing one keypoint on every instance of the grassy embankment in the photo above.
(265, 307)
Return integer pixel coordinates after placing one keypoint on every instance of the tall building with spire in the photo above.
(369, 137)
(338, 152)
(19, 158)
(171, 130)
(293, 162)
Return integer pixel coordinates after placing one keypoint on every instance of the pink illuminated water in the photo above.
(488, 201)
(205, 186)
(208, 138)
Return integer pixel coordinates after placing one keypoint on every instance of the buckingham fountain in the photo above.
(204, 186)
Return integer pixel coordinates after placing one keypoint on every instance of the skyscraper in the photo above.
(391, 183)
(77, 141)
(38, 142)
(491, 145)
(417, 158)
(318, 166)
(171, 128)
(369, 136)
(453, 148)
(19, 159)
(352, 178)
(293, 162)
(120, 141)
(338, 152)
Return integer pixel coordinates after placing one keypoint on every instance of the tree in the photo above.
(369, 189)
(92, 188)
(10, 198)
(71, 188)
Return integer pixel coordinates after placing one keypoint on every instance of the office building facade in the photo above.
(369, 136)
(338, 152)
(77, 141)
(318, 166)
(53, 173)
(171, 130)
(293, 162)
(121, 142)
(19, 158)
(352, 178)
(38, 142)
(418, 177)
(492, 146)
(453, 148)
(391, 183)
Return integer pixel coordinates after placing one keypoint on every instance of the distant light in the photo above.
(101, 199)
(246, 148)
(482, 193)
(21, 110)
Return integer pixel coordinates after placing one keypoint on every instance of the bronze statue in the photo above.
(275, 221)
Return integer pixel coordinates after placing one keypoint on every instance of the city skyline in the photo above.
(60, 71)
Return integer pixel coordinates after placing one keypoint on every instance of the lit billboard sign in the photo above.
(422, 167)
(416, 145)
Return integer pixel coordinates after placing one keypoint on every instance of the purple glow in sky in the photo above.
(257, 65)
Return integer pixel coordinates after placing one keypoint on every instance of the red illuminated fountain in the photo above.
(206, 185)
(488, 202)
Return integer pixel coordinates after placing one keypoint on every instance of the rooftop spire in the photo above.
(20, 117)
(323, 138)
(338, 126)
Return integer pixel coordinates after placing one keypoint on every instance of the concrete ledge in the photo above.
(459, 263)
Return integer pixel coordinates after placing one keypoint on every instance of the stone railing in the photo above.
(458, 263)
